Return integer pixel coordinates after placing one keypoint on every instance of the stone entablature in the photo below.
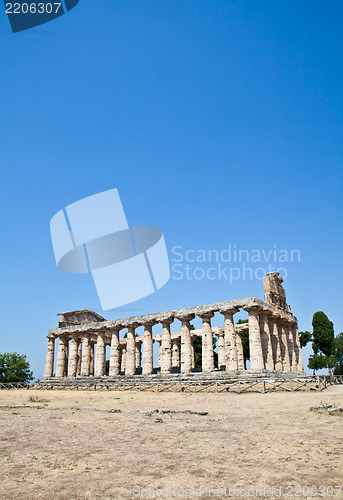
(83, 337)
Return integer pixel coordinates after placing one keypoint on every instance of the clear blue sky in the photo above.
(219, 122)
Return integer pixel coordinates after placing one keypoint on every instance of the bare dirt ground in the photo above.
(66, 446)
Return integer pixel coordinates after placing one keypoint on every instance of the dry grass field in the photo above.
(67, 445)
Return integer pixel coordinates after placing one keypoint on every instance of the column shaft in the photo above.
(123, 359)
(86, 357)
(186, 348)
(207, 345)
(114, 356)
(221, 351)
(130, 368)
(79, 358)
(147, 351)
(100, 356)
(49, 361)
(266, 339)
(255, 344)
(72, 365)
(138, 354)
(176, 353)
(61, 358)
(286, 364)
(166, 359)
(240, 353)
(230, 339)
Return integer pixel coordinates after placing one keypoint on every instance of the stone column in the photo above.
(138, 354)
(166, 358)
(286, 364)
(79, 358)
(72, 365)
(240, 352)
(175, 353)
(61, 358)
(123, 359)
(130, 368)
(207, 343)
(99, 370)
(66, 358)
(49, 361)
(114, 356)
(148, 366)
(193, 353)
(86, 356)
(291, 352)
(266, 339)
(230, 338)
(297, 347)
(274, 332)
(221, 351)
(186, 348)
(92, 360)
(255, 344)
(159, 352)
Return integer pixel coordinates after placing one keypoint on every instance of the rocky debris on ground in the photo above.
(328, 408)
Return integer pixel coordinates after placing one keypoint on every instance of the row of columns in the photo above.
(273, 341)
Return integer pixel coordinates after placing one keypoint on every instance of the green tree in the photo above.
(305, 338)
(323, 334)
(338, 354)
(323, 340)
(245, 341)
(14, 367)
(317, 362)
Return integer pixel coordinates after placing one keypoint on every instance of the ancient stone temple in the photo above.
(273, 340)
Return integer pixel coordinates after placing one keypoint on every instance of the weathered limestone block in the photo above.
(72, 365)
(266, 340)
(130, 368)
(166, 353)
(61, 358)
(148, 366)
(207, 344)
(86, 356)
(186, 348)
(114, 356)
(255, 344)
(100, 357)
(49, 362)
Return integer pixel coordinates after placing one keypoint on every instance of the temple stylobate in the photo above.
(273, 340)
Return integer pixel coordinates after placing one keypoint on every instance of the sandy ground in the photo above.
(66, 446)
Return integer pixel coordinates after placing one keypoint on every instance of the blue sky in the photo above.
(218, 121)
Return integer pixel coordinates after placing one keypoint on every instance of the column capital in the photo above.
(228, 310)
(205, 315)
(149, 323)
(185, 317)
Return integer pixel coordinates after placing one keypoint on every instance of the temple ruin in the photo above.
(273, 340)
